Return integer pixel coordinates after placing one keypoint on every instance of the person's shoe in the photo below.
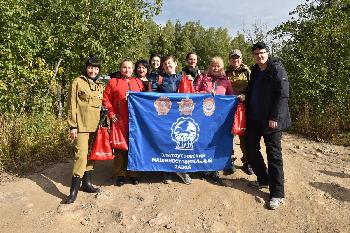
(74, 188)
(258, 185)
(134, 180)
(215, 178)
(275, 202)
(185, 177)
(204, 175)
(247, 169)
(167, 178)
(86, 185)
(231, 170)
(120, 181)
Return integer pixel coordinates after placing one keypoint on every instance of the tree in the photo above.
(37, 34)
(316, 54)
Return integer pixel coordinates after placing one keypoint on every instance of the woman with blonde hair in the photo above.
(214, 81)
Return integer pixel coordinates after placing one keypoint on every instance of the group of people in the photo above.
(264, 90)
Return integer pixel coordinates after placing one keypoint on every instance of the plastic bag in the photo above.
(118, 136)
(101, 149)
(239, 123)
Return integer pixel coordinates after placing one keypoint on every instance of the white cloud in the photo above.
(231, 14)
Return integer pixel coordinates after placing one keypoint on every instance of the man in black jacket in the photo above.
(267, 115)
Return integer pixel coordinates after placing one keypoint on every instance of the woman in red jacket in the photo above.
(115, 99)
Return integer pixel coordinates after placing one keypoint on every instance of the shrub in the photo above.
(29, 142)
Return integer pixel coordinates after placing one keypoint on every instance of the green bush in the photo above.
(315, 52)
(28, 143)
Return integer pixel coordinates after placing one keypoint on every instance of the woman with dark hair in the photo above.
(191, 67)
(168, 82)
(84, 105)
(154, 61)
(141, 72)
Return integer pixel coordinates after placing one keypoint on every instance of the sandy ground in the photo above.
(317, 199)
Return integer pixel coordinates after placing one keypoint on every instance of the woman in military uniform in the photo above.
(84, 104)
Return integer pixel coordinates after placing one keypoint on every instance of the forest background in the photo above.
(44, 45)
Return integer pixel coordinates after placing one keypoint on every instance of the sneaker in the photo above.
(247, 169)
(167, 178)
(258, 185)
(185, 177)
(275, 202)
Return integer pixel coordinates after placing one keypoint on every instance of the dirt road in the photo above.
(317, 199)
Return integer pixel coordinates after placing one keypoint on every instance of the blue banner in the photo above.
(180, 132)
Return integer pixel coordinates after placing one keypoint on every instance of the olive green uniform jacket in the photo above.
(239, 79)
(84, 104)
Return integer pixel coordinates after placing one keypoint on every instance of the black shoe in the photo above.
(247, 169)
(258, 185)
(205, 175)
(120, 181)
(134, 180)
(87, 185)
(231, 170)
(212, 177)
(74, 188)
(215, 178)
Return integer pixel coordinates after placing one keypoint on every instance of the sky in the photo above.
(231, 14)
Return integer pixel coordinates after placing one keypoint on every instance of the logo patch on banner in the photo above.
(185, 132)
(186, 106)
(162, 105)
(209, 106)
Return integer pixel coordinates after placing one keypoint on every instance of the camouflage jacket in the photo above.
(239, 79)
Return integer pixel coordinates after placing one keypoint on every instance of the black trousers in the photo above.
(273, 175)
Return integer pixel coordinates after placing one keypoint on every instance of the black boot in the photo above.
(87, 185)
(74, 188)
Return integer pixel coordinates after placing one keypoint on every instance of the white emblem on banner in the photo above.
(209, 106)
(185, 132)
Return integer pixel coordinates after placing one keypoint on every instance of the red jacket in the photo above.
(114, 97)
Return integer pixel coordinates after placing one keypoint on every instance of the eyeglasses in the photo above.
(260, 53)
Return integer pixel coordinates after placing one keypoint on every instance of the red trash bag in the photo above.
(239, 123)
(102, 149)
(118, 136)
(186, 85)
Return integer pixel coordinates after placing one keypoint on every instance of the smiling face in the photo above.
(126, 68)
(169, 66)
(260, 56)
(155, 62)
(192, 60)
(141, 70)
(92, 71)
(235, 61)
(215, 68)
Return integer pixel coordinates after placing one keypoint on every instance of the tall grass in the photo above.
(31, 142)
